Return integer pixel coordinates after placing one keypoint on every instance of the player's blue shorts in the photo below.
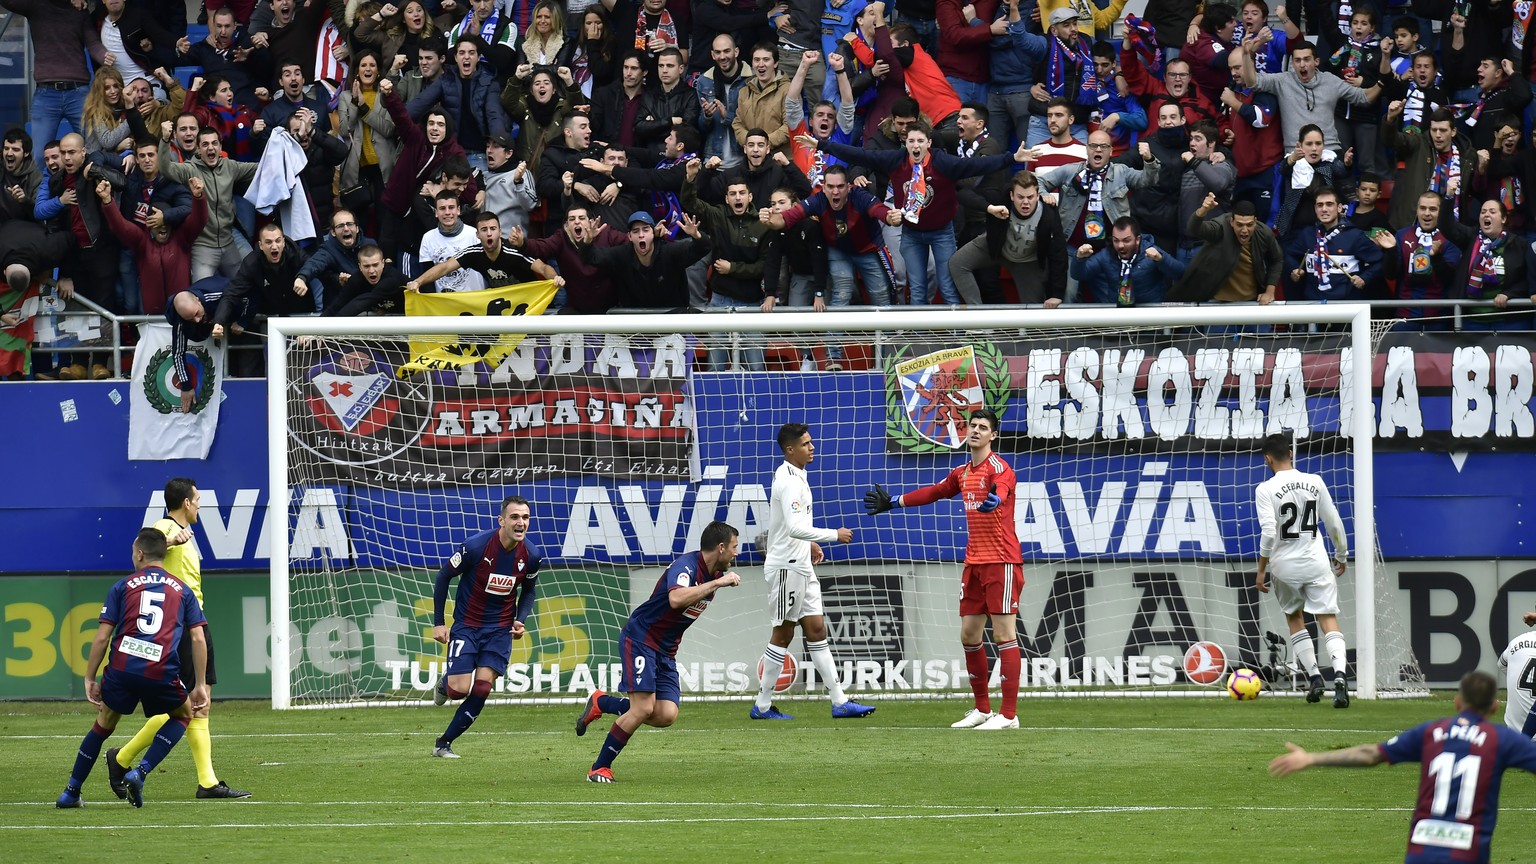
(647, 670)
(125, 691)
(472, 648)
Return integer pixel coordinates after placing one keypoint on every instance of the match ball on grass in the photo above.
(787, 675)
(1244, 685)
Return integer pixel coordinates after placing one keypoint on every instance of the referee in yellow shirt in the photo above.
(184, 562)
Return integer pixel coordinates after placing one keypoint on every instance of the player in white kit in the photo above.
(1289, 505)
(1519, 661)
(794, 594)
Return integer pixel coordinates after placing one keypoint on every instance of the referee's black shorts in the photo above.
(184, 651)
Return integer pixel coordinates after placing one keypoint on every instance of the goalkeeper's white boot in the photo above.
(973, 718)
(998, 721)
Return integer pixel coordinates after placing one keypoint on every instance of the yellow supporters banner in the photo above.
(431, 354)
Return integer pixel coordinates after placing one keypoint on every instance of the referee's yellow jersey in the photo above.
(184, 562)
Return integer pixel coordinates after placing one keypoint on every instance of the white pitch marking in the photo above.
(779, 731)
(989, 813)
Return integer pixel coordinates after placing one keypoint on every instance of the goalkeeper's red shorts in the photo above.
(991, 589)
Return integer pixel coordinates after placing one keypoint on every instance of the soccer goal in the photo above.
(1133, 433)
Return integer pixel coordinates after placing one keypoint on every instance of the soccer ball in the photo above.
(1244, 685)
(787, 675)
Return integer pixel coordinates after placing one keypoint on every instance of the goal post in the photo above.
(373, 478)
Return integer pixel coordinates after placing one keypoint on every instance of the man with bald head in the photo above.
(718, 88)
(1091, 196)
(191, 315)
(67, 203)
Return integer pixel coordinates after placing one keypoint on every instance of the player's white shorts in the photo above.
(792, 595)
(1317, 597)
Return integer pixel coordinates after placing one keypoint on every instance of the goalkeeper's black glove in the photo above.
(877, 500)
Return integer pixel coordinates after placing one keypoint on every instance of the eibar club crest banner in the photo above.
(158, 427)
(570, 405)
(930, 398)
(529, 298)
(1151, 391)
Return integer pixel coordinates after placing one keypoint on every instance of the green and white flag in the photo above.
(158, 425)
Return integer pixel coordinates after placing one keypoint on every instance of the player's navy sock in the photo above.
(165, 739)
(980, 673)
(1008, 660)
(612, 704)
(614, 743)
(85, 759)
(468, 710)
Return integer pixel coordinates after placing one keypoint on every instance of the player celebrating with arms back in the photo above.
(496, 571)
(141, 624)
(649, 647)
(1293, 550)
(794, 593)
(1463, 761)
(994, 566)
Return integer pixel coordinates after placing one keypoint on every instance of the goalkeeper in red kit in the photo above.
(994, 566)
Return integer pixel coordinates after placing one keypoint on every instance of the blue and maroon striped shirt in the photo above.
(150, 609)
(1463, 760)
(654, 622)
(496, 584)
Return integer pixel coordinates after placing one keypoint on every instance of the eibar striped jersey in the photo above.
(655, 623)
(149, 610)
(1289, 506)
(1462, 759)
(496, 584)
(993, 537)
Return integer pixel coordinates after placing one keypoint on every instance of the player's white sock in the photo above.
(773, 663)
(1333, 642)
(821, 658)
(1306, 654)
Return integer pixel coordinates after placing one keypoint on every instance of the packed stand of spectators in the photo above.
(328, 156)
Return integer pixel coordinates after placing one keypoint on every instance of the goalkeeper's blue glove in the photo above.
(991, 502)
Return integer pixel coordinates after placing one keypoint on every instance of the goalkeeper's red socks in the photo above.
(1009, 662)
(980, 672)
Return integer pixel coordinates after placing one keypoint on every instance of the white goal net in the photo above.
(1133, 434)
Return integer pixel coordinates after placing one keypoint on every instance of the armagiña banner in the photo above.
(546, 407)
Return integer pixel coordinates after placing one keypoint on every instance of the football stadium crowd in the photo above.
(300, 157)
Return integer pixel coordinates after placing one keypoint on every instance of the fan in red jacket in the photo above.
(1177, 87)
(164, 255)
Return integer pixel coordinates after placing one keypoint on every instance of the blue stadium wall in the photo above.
(1455, 528)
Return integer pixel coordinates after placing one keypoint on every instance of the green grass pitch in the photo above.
(1090, 780)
